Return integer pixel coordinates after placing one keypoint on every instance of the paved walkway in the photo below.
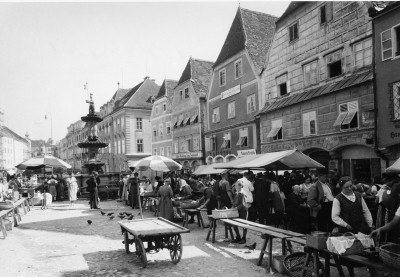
(59, 242)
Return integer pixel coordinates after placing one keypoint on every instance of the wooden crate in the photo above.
(226, 213)
(316, 242)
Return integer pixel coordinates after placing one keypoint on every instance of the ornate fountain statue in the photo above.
(92, 143)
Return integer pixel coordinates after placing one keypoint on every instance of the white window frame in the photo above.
(187, 145)
(243, 140)
(168, 127)
(308, 70)
(181, 95)
(232, 109)
(155, 151)
(169, 151)
(346, 113)
(251, 103)
(389, 31)
(215, 115)
(364, 52)
(238, 65)
(283, 79)
(155, 130)
(160, 129)
(161, 151)
(156, 108)
(227, 141)
(222, 73)
(308, 118)
(396, 97)
(276, 127)
(297, 29)
(176, 146)
(213, 143)
(139, 123)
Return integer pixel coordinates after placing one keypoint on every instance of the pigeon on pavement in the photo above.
(110, 214)
(251, 246)
(89, 221)
(121, 216)
(102, 213)
(111, 217)
(130, 218)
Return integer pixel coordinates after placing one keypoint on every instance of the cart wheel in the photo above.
(126, 240)
(141, 252)
(175, 248)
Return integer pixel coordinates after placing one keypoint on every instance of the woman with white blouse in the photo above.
(349, 210)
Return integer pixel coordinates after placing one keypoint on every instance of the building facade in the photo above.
(126, 126)
(318, 84)
(161, 124)
(234, 93)
(188, 114)
(14, 148)
(387, 66)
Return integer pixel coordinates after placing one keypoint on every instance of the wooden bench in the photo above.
(21, 203)
(190, 212)
(3, 216)
(268, 233)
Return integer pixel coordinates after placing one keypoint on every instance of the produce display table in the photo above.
(159, 233)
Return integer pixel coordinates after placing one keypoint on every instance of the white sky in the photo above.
(48, 51)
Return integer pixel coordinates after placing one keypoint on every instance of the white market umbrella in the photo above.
(43, 161)
(156, 163)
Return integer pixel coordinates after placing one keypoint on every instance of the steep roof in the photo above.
(351, 81)
(120, 93)
(199, 72)
(252, 31)
(139, 95)
(166, 87)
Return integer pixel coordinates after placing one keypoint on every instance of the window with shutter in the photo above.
(309, 124)
(348, 116)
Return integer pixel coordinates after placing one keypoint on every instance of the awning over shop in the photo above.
(282, 160)
(394, 168)
(193, 118)
(208, 169)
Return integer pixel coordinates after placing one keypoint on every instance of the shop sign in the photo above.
(246, 152)
(229, 92)
(187, 155)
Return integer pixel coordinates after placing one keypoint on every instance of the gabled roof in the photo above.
(252, 31)
(138, 96)
(282, 102)
(7, 132)
(166, 87)
(199, 72)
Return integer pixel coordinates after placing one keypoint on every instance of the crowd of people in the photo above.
(60, 187)
(300, 200)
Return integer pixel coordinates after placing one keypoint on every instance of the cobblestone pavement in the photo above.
(59, 242)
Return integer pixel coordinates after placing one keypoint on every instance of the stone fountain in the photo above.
(92, 143)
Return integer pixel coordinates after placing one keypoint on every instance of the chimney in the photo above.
(147, 77)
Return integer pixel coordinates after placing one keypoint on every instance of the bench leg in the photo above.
(15, 218)
(283, 246)
(200, 218)
(3, 227)
(185, 222)
(210, 229)
(24, 208)
(214, 228)
(270, 254)
(262, 252)
(230, 231)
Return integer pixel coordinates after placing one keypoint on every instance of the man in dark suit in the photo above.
(320, 199)
(133, 184)
(92, 188)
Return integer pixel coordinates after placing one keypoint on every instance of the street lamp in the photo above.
(51, 125)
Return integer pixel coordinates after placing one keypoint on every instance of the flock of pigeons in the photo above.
(122, 215)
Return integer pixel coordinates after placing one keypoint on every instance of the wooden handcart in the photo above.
(159, 233)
